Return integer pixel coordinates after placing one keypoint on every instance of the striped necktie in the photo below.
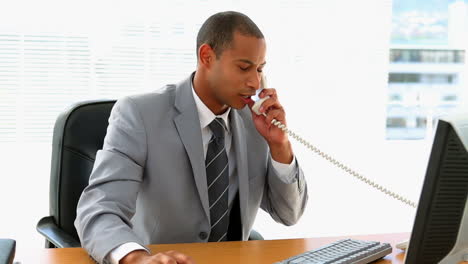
(217, 175)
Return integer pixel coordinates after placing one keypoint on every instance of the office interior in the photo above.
(350, 74)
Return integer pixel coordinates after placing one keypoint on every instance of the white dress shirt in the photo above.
(285, 171)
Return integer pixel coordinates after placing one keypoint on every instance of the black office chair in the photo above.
(7, 251)
(78, 133)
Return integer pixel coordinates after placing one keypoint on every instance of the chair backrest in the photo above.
(78, 133)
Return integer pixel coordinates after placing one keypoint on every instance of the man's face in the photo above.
(235, 75)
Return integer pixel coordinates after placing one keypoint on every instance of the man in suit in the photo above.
(191, 162)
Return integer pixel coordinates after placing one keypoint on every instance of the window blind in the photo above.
(41, 74)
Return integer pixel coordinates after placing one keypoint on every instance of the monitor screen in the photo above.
(443, 198)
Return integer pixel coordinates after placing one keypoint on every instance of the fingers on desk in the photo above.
(171, 257)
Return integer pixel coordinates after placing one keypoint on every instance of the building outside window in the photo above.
(427, 65)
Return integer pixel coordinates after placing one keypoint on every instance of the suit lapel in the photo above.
(188, 127)
(239, 135)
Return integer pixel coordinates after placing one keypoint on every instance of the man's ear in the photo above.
(206, 55)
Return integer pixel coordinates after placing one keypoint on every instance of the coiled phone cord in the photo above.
(341, 165)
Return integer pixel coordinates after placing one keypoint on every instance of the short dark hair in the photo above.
(218, 30)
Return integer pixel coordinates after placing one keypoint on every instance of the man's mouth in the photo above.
(246, 98)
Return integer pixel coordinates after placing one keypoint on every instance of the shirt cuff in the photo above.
(286, 172)
(123, 250)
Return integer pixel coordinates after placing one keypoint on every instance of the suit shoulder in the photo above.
(162, 94)
(158, 99)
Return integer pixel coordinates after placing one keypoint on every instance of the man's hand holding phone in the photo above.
(276, 138)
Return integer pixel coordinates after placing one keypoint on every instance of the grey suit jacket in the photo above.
(148, 184)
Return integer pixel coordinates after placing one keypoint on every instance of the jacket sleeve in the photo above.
(108, 203)
(285, 201)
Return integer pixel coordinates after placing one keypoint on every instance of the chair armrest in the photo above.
(47, 227)
(7, 251)
(254, 235)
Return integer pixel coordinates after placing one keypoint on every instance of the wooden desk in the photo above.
(257, 252)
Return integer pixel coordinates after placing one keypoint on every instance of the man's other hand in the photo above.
(169, 257)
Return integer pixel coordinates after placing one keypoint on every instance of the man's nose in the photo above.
(255, 81)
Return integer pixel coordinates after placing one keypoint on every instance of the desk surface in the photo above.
(258, 252)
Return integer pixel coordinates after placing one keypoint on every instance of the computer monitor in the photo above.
(7, 250)
(440, 230)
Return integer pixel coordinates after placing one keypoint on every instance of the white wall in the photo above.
(335, 96)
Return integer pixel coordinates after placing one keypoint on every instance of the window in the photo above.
(421, 122)
(426, 56)
(396, 122)
(404, 78)
(427, 60)
(450, 98)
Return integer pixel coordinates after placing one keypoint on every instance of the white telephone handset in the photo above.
(256, 107)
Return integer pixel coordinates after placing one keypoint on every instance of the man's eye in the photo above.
(260, 70)
(243, 69)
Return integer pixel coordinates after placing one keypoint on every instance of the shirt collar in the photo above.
(204, 113)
